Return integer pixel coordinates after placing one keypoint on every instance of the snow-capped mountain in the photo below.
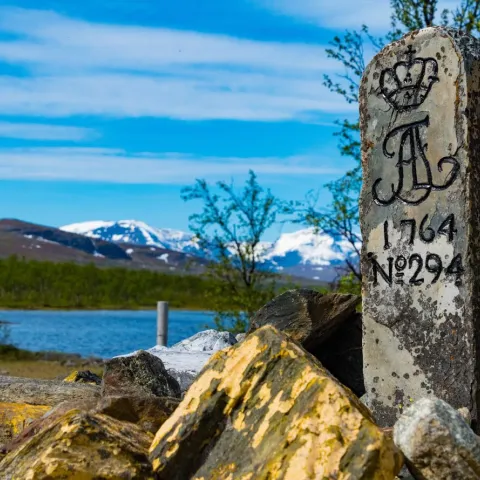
(302, 253)
(136, 233)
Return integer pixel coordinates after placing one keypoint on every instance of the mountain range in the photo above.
(303, 253)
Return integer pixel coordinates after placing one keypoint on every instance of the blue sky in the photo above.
(109, 107)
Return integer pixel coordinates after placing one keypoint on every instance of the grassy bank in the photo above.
(48, 365)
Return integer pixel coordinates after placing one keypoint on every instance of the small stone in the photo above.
(82, 445)
(240, 337)
(266, 408)
(437, 443)
(466, 415)
(138, 374)
(85, 376)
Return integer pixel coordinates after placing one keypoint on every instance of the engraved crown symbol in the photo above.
(407, 84)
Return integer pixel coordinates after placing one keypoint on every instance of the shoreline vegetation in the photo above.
(41, 285)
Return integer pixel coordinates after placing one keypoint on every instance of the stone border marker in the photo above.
(420, 221)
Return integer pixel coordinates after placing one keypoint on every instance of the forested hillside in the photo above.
(36, 284)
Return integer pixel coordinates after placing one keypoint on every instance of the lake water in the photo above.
(103, 333)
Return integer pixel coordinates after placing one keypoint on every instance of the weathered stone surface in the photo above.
(326, 325)
(307, 316)
(15, 417)
(81, 445)
(420, 214)
(149, 413)
(437, 443)
(265, 408)
(43, 392)
(138, 374)
(85, 376)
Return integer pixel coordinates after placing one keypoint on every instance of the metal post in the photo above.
(162, 323)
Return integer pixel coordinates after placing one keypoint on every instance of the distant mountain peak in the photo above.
(302, 253)
(137, 233)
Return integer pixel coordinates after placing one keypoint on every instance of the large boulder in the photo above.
(307, 316)
(141, 374)
(50, 417)
(327, 326)
(82, 445)
(265, 408)
(44, 392)
(148, 413)
(15, 417)
(437, 442)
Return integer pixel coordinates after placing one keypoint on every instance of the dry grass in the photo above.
(43, 369)
(47, 365)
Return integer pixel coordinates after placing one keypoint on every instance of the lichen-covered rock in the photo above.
(149, 413)
(265, 408)
(15, 417)
(85, 376)
(49, 418)
(437, 442)
(137, 375)
(83, 446)
(327, 326)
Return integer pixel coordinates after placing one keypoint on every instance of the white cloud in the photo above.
(81, 68)
(342, 14)
(338, 14)
(116, 166)
(38, 131)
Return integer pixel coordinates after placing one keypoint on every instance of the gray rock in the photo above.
(138, 374)
(185, 359)
(466, 415)
(240, 337)
(44, 392)
(183, 377)
(327, 326)
(419, 103)
(437, 443)
(206, 341)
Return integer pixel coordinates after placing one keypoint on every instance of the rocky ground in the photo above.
(281, 402)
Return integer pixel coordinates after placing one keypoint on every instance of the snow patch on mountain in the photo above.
(307, 247)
